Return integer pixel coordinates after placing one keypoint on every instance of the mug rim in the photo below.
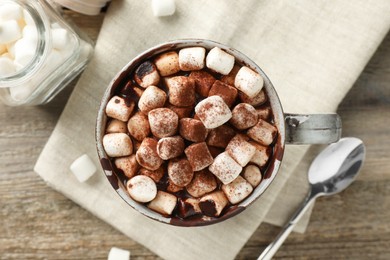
(276, 108)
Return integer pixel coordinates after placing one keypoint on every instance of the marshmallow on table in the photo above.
(128, 165)
(202, 183)
(181, 91)
(163, 7)
(226, 92)
(9, 31)
(164, 203)
(252, 174)
(7, 67)
(163, 122)
(199, 156)
(146, 74)
(213, 203)
(263, 132)
(117, 108)
(118, 254)
(244, 116)
(237, 190)
(249, 82)
(116, 126)
(220, 136)
(225, 168)
(167, 63)
(147, 156)
(83, 168)
(192, 130)
(213, 112)
(155, 175)
(10, 12)
(192, 58)
(262, 154)
(203, 82)
(138, 126)
(170, 147)
(180, 171)
(117, 144)
(219, 61)
(240, 150)
(153, 97)
(141, 188)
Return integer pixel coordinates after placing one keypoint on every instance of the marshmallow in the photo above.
(202, 183)
(25, 50)
(167, 63)
(9, 32)
(163, 7)
(7, 67)
(117, 144)
(141, 188)
(248, 81)
(116, 126)
(257, 100)
(262, 154)
(146, 74)
(182, 112)
(203, 82)
(220, 136)
(193, 130)
(180, 172)
(213, 203)
(219, 61)
(128, 165)
(181, 91)
(199, 156)
(118, 108)
(30, 32)
(226, 92)
(83, 168)
(131, 90)
(147, 155)
(118, 254)
(163, 122)
(213, 112)
(60, 38)
(240, 150)
(192, 58)
(244, 116)
(252, 175)
(138, 126)
(164, 203)
(229, 78)
(263, 113)
(10, 12)
(170, 147)
(155, 175)
(225, 168)
(153, 97)
(237, 190)
(263, 132)
(188, 207)
(172, 188)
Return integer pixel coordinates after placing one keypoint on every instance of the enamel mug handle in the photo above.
(312, 128)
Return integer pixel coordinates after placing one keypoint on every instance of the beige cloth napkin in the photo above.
(312, 51)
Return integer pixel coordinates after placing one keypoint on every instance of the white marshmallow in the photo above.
(252, 175)
(9, 32)
(22, 92)
(213, 112)
(142, 188)
(262, 154)
(213, 203)
(164, 203)
(263, 132)
(237, 190)
(225, 168)
(25, 50)
(83, 168)
(60, 38)
(117, 144)
(163, 7)
(10, 12)
(30, 32)
(219, 61)
(240, 150)
(118, 254)
(118, 109)
(249, 82)
(192, 58)
(153, 97)
(7, 67)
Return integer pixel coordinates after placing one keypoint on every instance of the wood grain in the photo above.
(39, 223)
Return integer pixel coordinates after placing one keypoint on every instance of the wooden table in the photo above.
(37, 222)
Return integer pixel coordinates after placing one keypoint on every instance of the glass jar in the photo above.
(48, 54)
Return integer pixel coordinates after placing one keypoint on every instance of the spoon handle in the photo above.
(272, 248)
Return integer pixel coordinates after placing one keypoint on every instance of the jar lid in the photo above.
(88, 7)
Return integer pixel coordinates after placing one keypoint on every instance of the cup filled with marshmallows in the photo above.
(191, 132)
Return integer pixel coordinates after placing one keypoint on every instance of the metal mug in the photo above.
(292, 129)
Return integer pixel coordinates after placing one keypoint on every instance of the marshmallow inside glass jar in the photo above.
(204, 155)
(40, 52)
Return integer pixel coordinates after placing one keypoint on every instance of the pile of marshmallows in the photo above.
(205, 154)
